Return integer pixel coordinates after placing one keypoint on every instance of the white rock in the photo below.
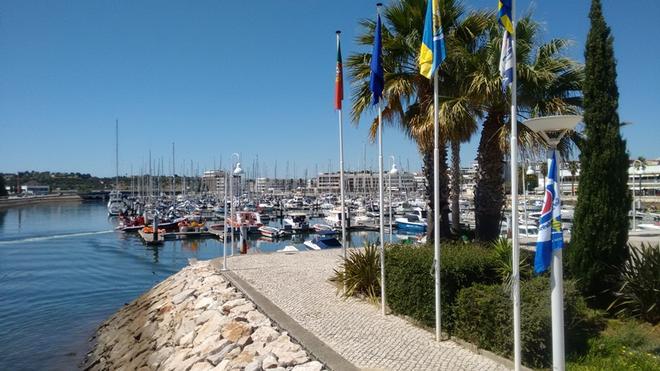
(187, 339)
(257, 319)
(269, 362)
(265, 334)
(292, 358)
(183, 295)
(201, 366)
(241, 309)
(203, 303)
(216, 358)
(256, 347)
(226, 307)
(309, 366)
(222, 366)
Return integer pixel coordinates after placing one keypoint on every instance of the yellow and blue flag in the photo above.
(504, 15)
(377, 76)
(550, 235)
(432, 52)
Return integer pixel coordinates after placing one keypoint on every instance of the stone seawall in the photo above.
(194, 320)
(6, 203)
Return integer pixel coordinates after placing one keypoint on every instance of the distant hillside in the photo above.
(59, 181)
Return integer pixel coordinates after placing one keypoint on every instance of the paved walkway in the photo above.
(298, 284)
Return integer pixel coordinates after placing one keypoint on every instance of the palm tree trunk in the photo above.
(455, 185)
(427, 168)
(489, 193)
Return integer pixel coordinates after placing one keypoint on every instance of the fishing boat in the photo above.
(322, 243)
(296, 222)
(271, 232)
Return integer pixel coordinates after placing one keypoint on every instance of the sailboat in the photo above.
(116, 203)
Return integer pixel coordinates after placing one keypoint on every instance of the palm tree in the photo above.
(640, 166)
(548, 83)
(408, 95)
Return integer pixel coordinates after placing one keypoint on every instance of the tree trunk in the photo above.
(455, 186)
(489, 193)
(427, 168)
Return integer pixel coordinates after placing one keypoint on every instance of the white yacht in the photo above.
(116, 203)
(296, 222)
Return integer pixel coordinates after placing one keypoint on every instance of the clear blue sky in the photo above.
(218, 77)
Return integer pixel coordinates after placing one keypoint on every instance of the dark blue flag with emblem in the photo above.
(376, 77)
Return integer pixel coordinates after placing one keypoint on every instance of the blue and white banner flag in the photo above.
(506, 61)
(550, 234)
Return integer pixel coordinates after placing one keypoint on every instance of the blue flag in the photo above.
(377, 77)
(550, 234)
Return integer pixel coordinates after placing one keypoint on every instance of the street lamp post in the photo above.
(529, 171)
(634, 204)
(393, 171)
(551, 129)
(234, 171)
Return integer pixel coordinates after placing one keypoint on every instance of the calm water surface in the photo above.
(64, 270)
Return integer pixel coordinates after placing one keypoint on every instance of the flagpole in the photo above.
(341, 172)
(515, 255)
(380, 208)
(557, 290)
(436, 208)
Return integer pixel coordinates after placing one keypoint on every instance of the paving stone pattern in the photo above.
(298, 284)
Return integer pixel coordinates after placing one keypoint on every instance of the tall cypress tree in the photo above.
(600, 229)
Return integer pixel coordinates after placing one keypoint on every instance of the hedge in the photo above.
(409, 286)
(483, 316)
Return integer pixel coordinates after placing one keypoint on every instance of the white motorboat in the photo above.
(271, 232)
(116, 203)
(296, 222)
(322, 242)
(248, 219)
(289, 249)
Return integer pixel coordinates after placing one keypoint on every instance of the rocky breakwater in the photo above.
(194, 320)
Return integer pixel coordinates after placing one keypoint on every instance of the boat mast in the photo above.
(117, 154)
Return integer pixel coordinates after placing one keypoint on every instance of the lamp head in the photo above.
(553, 128)
(394, 170)
(238, 170)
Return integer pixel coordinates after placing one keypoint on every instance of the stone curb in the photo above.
(488, 354)
(311, 343)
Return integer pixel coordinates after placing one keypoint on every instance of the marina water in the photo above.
(64, 270)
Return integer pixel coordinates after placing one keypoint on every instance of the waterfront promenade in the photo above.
(298, 285)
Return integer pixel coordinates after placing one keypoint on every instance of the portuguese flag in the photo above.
(339, 79)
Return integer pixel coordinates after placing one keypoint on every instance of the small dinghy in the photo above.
(322, 243)
(288, 249)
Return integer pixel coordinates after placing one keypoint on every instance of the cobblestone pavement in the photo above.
(298, 284)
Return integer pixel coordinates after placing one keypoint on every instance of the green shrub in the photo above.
(502, 250)
(409, 283)
(639, 295)
(360, 273)
(483, 316)
(624, 345)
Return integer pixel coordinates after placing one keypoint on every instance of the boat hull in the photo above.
(411, 227)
